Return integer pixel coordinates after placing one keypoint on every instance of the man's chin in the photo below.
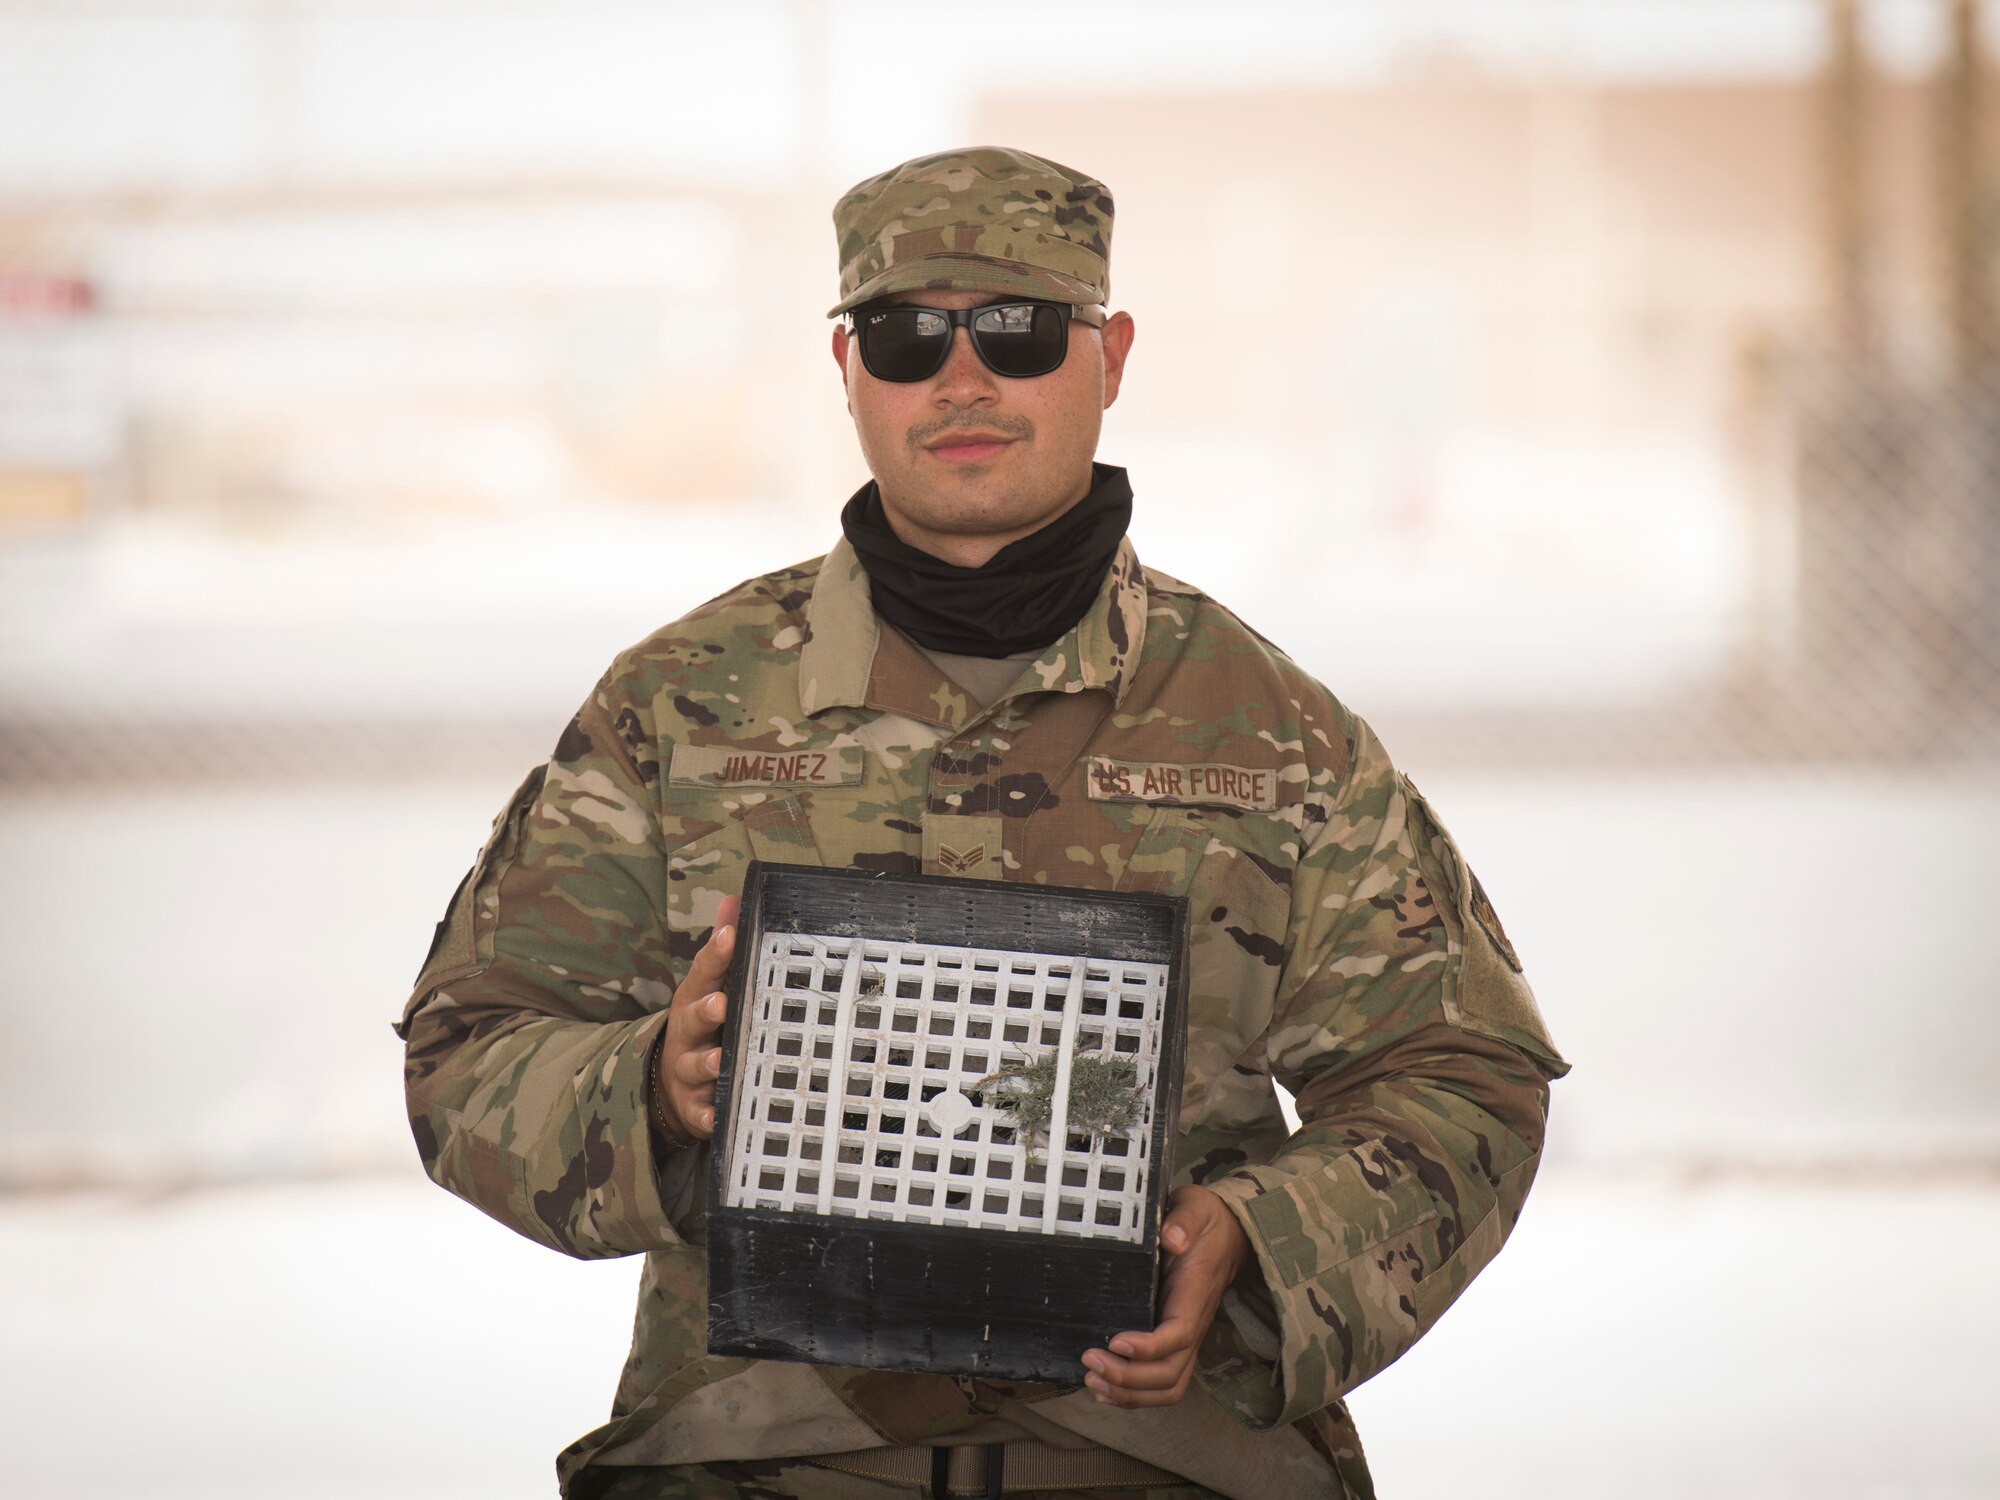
(960, 515)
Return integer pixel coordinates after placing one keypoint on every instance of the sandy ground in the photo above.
(1752, 1339)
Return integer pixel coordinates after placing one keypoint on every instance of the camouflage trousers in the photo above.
(795, 1479)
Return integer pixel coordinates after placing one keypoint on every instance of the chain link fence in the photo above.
(1898, 496)
(1865, 443)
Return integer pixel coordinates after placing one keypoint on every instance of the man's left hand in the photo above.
(1205, 1249)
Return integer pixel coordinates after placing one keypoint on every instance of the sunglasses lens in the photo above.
(1021, 338)
(903, 343)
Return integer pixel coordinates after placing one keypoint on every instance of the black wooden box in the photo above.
(877, 1196)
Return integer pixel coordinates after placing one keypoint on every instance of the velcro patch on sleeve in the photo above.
(720, 765)
(1182, 785)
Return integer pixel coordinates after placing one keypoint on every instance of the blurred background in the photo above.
(1602, 396)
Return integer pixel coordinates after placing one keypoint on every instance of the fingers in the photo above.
(688, 1074)
(697, 1068)
(1204, 1247)
(1175, 1335)
(700, 1000)
(700, 1112)
(690, 1060)
(1156, 1374)
(1148, 1369)
(701, 1020)
(701, 992)
(711, 964)
(1185, 1312)
(1186, 1221)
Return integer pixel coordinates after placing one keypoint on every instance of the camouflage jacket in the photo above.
(1339, 947)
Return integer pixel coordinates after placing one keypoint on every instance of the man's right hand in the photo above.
(691, 1055)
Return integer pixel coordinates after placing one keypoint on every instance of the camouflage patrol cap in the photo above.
(981, 219)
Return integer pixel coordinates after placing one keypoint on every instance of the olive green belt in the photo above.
(993, 1469)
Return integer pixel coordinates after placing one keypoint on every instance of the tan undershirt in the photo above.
(984, 677)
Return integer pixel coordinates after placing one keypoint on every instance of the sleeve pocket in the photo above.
(462, 942)
(1486, 992)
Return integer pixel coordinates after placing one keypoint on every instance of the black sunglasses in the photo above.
(1017, 339)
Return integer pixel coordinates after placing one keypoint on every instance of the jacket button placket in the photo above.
(962, 832)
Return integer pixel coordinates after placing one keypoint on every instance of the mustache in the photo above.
(925, 433)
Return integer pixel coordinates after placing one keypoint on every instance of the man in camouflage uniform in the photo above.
(562, 1037)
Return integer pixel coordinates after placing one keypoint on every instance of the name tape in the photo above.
(1182, 785)
(718, 765)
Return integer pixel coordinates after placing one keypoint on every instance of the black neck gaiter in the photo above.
(1025, 597)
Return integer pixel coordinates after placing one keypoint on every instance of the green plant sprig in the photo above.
(1103, 1095)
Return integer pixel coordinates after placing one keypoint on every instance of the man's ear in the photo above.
(841, 339)
(1117, 338)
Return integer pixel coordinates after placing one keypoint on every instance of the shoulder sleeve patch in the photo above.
(1491, 995)
(462, 942)
(1488, 918)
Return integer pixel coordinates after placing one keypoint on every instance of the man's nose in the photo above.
(964, 380)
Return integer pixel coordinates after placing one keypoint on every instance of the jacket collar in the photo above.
(850, 660)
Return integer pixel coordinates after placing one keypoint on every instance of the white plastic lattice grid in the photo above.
(902, 1040)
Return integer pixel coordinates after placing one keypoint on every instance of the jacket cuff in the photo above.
(626, 1190)
(1241, 1369)
(1341, 1259)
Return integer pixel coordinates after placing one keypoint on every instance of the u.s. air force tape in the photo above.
(1184, 785)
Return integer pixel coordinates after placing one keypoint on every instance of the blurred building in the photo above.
(1575, 387)
(1781, 291)
(1668, 395)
